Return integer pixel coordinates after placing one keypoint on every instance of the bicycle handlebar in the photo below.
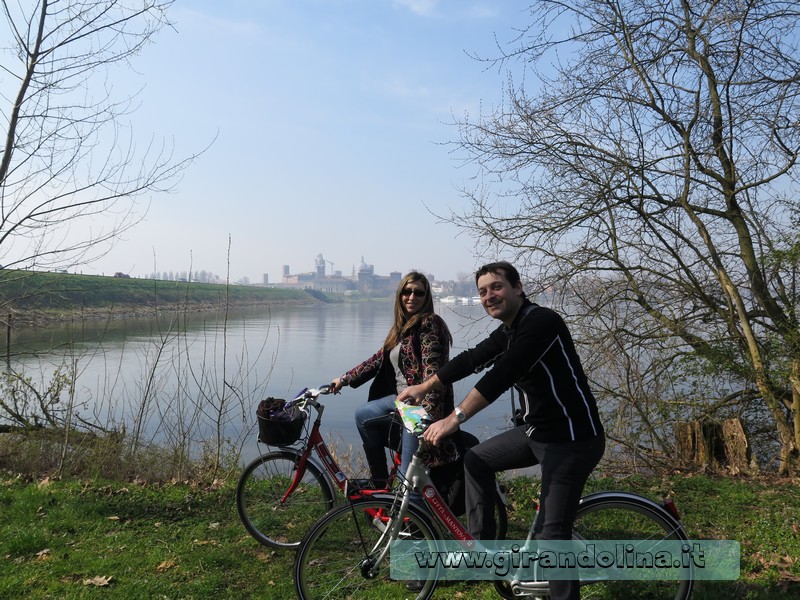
(314, 392)
(309, 395)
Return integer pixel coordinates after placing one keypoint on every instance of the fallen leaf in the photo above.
(43, 554)
(166, 565)
(99, 581)
(214, 526)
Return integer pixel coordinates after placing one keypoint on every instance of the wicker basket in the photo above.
(277, 425)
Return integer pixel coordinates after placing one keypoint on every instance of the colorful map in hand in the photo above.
(412, 415)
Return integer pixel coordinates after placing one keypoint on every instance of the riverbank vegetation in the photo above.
(93, 538)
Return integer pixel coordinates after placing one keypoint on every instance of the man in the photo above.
(558, 428)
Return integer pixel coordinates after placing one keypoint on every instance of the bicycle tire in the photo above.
(336, 558)
(261, 487)
(622, 516)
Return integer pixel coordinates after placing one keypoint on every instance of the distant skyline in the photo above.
(331, 119)
(331, 269)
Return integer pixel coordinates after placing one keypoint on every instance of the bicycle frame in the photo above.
(421, 481)
(314, 443)
(418, 479)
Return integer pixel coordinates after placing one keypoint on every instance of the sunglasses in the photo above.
(418, 293)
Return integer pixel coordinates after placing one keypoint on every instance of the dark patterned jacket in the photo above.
(423, 351)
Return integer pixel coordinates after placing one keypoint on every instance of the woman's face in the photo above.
(412, 297)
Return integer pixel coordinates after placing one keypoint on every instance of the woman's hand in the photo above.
(336, 385)
(412, 394)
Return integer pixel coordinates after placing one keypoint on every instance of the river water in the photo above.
(185, 377)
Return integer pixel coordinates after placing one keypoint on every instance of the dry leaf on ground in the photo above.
(98, 581)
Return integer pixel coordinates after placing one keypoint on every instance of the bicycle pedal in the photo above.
(357, 486)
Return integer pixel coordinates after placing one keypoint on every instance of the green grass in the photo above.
(101, 539)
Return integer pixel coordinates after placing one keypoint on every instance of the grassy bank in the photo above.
(100, 539)
(31, 296)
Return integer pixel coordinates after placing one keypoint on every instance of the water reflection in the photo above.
(209, 368)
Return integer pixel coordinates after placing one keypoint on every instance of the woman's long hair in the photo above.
(402, 323)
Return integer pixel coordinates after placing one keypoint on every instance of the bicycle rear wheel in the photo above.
(622, 516)
(269, 518)
(340, 555)
(610, 516)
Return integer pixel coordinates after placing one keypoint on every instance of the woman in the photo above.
(417, 345)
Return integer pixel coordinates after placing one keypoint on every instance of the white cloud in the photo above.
(421, 7)
(482, 11)
(472, 11)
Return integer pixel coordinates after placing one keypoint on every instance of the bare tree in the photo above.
(67, 156)
(644, 162)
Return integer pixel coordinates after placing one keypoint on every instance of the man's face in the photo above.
(499, 298)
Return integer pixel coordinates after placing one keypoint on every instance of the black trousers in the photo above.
(565, 468)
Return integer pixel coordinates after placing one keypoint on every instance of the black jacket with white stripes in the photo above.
(537, 356)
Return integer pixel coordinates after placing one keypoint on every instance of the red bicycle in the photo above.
(282, 493)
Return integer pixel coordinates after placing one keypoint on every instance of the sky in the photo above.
(329, 123)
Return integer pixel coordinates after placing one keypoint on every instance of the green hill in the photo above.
(25, 292)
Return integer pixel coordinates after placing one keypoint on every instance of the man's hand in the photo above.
(441, 429)
(336, 385)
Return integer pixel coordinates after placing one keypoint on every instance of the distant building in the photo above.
(363, 279)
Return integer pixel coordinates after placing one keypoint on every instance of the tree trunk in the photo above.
(709, 445)
(738, 454)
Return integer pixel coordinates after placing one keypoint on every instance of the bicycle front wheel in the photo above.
(344, 554)
(622, 516)
(271, 516)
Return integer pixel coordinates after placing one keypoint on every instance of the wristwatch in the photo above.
(461, 416)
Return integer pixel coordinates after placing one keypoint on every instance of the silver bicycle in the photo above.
(346, 553)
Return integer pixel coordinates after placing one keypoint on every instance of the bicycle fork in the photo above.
(299, 472)
(370, 564)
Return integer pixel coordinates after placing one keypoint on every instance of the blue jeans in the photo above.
(375, 420)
